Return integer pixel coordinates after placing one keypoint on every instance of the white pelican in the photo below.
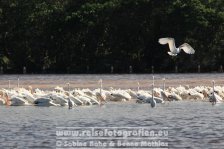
(45, 102)
(18, 101)
(195, 95)
(132, 93)
(173, 50)
(144, 97)
(157, 92)
(87, 92)
(74, 99)
(100, 97)
(58, 99)
(120, 95)
(214, 98)
(174, 96)
(165, 95)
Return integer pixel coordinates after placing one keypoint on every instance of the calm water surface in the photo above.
(190, 124)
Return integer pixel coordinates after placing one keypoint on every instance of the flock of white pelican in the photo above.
(85, 97)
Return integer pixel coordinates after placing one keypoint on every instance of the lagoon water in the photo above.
(190, 124)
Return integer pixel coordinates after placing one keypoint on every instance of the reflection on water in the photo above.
(190, 124)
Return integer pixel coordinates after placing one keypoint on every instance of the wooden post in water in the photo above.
(9, 86)
(138, 86)
(101, 86)
(152, 91)
(18, 82)
(68, 84)
(153, 80)
(199, 68)
(164, 84)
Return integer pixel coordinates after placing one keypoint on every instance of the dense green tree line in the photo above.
(79, 36)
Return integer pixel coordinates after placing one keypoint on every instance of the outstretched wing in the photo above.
(187, 48)
(169, 41)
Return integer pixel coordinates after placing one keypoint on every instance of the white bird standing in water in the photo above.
(173, 50)
(214, 98)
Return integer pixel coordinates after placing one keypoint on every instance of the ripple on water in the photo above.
(190, 124)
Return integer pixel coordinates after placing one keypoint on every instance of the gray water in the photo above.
(190, 124)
